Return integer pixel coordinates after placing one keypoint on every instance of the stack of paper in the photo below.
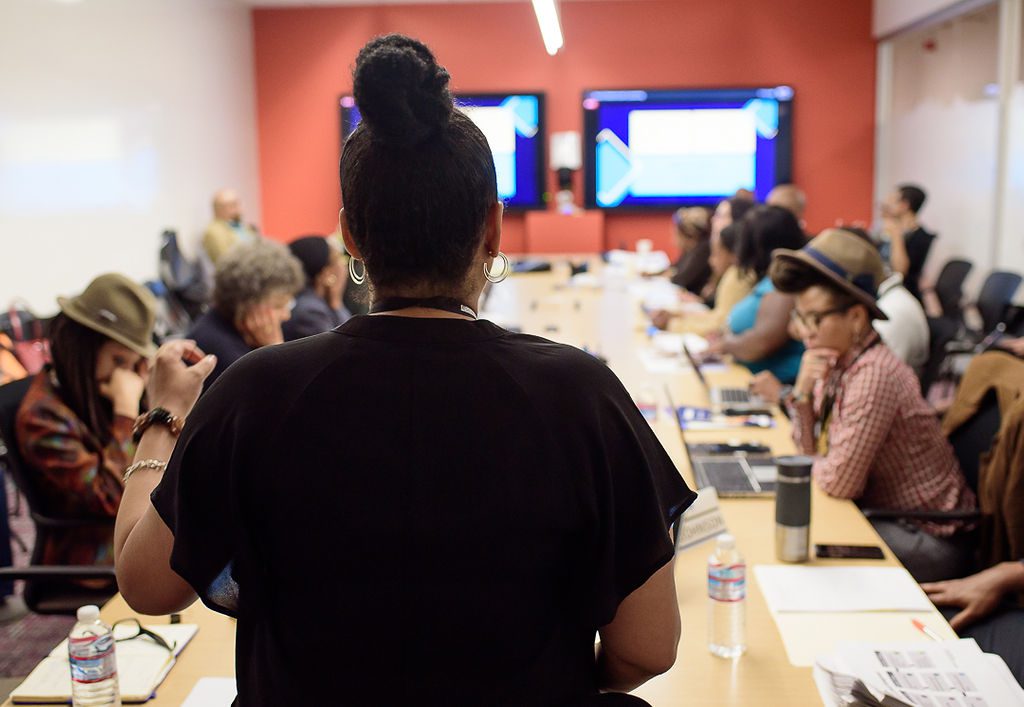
(930, 674)
(142, 665)
(826, 589)
(816, 608)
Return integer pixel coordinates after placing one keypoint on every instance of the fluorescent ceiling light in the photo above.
(550, 29)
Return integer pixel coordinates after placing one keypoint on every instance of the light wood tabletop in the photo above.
(608, 320)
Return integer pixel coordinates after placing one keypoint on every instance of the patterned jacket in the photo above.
(75, 475)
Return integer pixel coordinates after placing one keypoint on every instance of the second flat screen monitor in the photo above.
(671, 148)
(514, 127)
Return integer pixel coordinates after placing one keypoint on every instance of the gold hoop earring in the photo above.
(506, 268)
(358, 279)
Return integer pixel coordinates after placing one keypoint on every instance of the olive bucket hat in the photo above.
(119, 309)
(850, 262)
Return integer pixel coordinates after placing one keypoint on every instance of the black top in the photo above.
(311, 315)
(693, 269)
(918, 242)
(216, 335)
(424, 511)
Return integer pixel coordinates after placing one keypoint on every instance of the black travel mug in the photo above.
(793, 509)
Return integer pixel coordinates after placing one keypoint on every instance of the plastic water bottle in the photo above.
(647, 401)
(93, 662)
(727, 599)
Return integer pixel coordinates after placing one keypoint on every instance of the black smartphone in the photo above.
(729, 448)
(849, 552)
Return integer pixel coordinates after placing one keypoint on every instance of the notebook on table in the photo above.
(141, 666)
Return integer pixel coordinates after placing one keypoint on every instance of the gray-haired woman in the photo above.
(254, 291)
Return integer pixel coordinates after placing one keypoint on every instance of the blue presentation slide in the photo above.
(649, 151)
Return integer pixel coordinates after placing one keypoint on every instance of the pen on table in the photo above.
(925, 630)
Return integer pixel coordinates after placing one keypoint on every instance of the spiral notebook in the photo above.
(141, 666)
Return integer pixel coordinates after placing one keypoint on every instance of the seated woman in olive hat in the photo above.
(857, 408)
(74, 427)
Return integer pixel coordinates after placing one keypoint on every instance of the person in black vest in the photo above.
(905, 243)
(418, 507)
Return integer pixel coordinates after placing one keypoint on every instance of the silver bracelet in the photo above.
(143, 464)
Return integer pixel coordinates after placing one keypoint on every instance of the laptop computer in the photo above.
(736, 401)
(735, 470)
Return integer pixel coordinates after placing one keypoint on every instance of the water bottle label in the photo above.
(727, 582)
(92, 658)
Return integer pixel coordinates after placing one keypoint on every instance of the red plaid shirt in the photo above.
(885, 447)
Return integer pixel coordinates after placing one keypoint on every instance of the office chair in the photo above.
(942, 331)
(48, 589)
(995, 298)
(949, 288)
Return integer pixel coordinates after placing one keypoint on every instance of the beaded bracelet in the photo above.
(144, 464)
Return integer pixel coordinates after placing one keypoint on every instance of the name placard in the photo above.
(702, 521)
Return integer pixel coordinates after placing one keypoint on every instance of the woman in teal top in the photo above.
(758, 327)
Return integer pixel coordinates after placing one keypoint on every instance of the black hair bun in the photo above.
(401, 91)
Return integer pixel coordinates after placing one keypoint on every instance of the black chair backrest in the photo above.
(949, 288)
(974, 437)
(941, 330)
(11, 396)
(1015, 320)
(995, 297)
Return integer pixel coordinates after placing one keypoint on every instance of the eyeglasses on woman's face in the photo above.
(811, 321)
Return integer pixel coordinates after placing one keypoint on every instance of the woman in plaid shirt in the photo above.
(857, 408)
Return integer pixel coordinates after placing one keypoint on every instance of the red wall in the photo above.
(823, 49)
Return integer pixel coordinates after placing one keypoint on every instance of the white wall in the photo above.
(118, 118)
(1011, 242)
(891, 16)
(942, 133)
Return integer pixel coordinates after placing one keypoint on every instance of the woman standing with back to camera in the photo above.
(421, 507)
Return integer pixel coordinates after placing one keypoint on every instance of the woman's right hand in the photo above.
(176, 377)
(767, 387)
(661, 318)
(259, 327)
(814, 366)
(124, 390)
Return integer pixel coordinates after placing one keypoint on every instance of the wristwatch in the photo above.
(789, 394)
(156, 416)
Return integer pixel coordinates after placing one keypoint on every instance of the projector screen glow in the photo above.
(514, 127)
(665, 149)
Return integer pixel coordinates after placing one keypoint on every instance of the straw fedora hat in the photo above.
(119, 309)
(849, 262)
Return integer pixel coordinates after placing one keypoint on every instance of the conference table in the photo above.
(601, 311)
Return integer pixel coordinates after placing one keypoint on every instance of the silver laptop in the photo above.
(734, 400)
(734, 474)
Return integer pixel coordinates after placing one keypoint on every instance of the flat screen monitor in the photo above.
(688, 147)
(513, 124)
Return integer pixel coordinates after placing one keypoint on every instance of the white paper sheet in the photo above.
(211, 692)
(839, 589)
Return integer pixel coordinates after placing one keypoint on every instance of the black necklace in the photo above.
(446, 304)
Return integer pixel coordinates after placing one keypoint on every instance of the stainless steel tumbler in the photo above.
(793, 509)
